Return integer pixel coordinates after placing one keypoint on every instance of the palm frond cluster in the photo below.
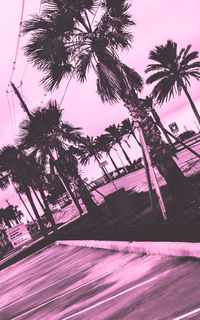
(171, 70)
(65, 39)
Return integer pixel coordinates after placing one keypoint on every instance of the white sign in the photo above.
(18, 235)
(103, 164)
(173, 127)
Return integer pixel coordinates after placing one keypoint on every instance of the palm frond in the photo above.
(153, 67)
(164, 90)
(157, 76)
(133, 78)
(193, 55)
(83, 65)
(108, 86)
(54, 75)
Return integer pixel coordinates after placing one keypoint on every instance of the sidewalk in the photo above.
(175, 249)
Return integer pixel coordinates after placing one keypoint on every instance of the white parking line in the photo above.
(51, 285)
(186, 315)
(111, 298)
(68, 292)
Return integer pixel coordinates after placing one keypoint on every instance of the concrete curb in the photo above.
(175, 249)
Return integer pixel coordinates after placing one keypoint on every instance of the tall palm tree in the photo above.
(172, 70)
(48, 138)
(14, 168)
(65, 41)
(116, 134)
(38, 183)
(44, 134)
(127, 128)
(105, 144)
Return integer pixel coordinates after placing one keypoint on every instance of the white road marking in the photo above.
(50, 285)
(68, 292)
(186, 315)
(111, 298)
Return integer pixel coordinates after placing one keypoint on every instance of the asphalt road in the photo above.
(135, 181)
(81, 283)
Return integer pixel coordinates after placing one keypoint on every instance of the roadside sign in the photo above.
(18, 235)
(103, 164)
(173, 127)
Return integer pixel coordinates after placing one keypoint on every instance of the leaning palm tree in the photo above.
(13, 168)
(105, 143)
(67, 40)
(116, 135)
(127, 128)
(68, 162)
(12, 213)
(44, 135)
(88, 148)
(172, 70)
(48, 138)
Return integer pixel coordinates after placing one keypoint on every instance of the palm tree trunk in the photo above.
(90, 205)
(105, 173)
(125, 154)
(68, 189)
(23, 202)
(29, 196)
(136, 139)
(158, 121)
(160, 155)
(191, 102)
(38, 199)
(150, 188)
(114, 164)
(47, 209)
(65, 184)
(7, 222)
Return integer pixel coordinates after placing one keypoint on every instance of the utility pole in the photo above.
(23, 104)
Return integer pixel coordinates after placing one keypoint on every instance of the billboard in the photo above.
(18, 235)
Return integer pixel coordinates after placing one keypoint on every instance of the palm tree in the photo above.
(172, 72)
(117, 136)
(13, 167)
(38, 183)
(127, 128)
(69, 163)
(148, 104)
(6, 217)
(88, 148)
(48, 138)
(104, 143)
(44, 133)
(12, 213)
(65, 41)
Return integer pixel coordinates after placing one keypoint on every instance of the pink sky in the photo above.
(156, 21)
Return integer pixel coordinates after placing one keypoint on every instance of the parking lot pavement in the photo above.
(83, 283)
